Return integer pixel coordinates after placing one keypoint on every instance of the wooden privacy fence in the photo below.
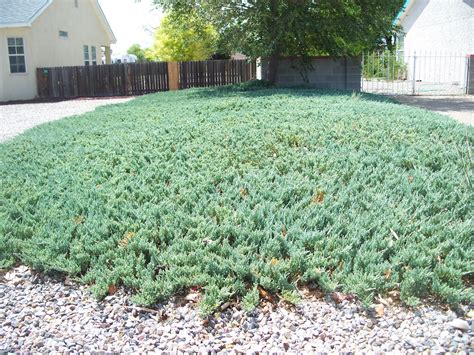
(139, 78)
(102, 80)
(215, 73)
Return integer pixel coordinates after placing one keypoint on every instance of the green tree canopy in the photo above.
(272, 28)
(137, 50)
(183, 37)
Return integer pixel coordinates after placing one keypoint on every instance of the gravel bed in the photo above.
(38, 313)
(17, 118)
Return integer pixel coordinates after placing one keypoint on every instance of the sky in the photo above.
(131, 21)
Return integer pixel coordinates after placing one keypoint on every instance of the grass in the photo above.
(228, 189)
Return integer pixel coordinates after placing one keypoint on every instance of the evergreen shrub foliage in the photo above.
(230, 189)
(385, 65)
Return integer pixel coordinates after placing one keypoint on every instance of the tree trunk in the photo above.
(272, 19)
(272, 68)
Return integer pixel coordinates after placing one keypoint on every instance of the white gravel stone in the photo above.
(39, 314)
(459, 324)
(17, 118)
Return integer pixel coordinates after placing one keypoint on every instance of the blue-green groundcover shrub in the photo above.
(233, 188)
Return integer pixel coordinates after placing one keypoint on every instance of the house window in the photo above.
(63, 34)
(86, 55)
(16, 54)
(76, 3)
(94, 55)
(400, 41)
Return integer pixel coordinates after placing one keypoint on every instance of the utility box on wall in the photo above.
(340, 73)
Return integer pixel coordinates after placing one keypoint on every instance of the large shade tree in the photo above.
(138, 51)
(272, 28)
(183, 36)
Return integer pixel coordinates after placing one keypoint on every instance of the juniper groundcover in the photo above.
(227, 189)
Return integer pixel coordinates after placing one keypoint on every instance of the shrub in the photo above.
(230, 189)
(384, 65)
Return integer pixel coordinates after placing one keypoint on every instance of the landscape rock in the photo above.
(459, 324)
(41, 314)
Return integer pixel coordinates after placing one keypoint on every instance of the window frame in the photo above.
(93, 55)
(87, 61)
(16, 55)
(400, 46)
(66, 33)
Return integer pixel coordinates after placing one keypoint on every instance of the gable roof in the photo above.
(19, 13)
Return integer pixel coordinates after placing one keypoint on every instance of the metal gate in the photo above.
(398, 73)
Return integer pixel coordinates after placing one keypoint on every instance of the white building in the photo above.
(440, 33)
(124, 58)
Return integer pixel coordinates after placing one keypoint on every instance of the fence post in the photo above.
(127, 79)
(413, 88)
(40, 81)
(173, 76)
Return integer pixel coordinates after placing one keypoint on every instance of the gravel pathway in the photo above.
(17, 118)
(38, 313)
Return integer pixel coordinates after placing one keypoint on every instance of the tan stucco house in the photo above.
(48, 33)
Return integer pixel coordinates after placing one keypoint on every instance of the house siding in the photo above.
(44, 47)
(441, 26)
(440, 34)
(21, 86)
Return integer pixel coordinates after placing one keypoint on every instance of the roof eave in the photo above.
(30, 20)
(40, 11)
(15, 25)
(106, 23)
(405, 12)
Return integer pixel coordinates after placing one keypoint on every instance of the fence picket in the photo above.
(138, 78)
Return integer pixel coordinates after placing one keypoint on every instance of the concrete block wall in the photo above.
(470, 76)
(328, 73)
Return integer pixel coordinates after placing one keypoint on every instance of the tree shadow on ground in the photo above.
(443, 104)
(264, 90)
